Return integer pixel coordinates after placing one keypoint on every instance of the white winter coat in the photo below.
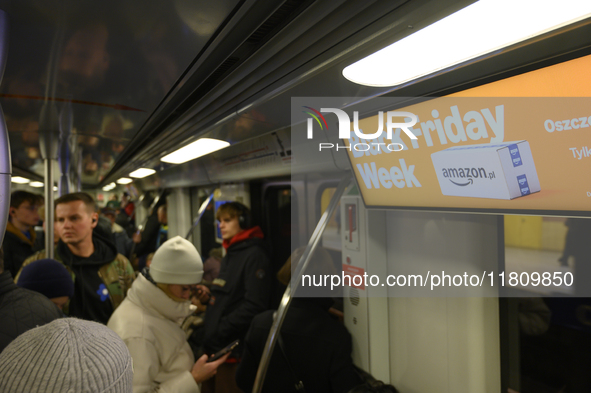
(149, 321)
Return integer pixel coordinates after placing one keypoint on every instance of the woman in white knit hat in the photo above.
(149, 321)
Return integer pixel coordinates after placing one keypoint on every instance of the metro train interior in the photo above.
(93, 91)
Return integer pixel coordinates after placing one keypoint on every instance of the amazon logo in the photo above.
(465, 176)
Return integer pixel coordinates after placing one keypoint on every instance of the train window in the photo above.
(552, 327)
(536, 243)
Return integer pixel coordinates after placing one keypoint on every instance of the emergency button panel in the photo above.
(350, 231)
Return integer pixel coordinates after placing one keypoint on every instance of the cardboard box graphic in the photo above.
(500, 171)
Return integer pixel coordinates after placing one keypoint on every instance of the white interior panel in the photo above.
(443, 344)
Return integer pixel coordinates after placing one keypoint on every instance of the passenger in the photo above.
(124, 244)
(39, 243)
(149, 259)
(163, 221)
(49, 278)
(314, 349)
(240, 292)
(102, 276)
(67, 355)
(127, 204)
(21, 309)
(211, 266)
(20, 230)
(150, 233)
(374, 387)
(148, 322)
(114, 202)
(126, 216)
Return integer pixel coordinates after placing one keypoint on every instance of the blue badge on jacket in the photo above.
(103, 292)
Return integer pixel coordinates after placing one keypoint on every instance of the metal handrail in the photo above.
(5, 160)
(199, 215)
(287, 296)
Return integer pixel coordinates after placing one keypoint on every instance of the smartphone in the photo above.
(224, 351)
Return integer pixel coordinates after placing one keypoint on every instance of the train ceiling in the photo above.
(130, 81)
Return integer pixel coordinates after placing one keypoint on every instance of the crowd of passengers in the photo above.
(87, 321)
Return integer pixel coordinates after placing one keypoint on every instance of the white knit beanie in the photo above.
(177, 262)
(68, 355)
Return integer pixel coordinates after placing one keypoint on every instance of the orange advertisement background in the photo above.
(556, 93)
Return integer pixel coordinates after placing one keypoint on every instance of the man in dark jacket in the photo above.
(20, 233)
(316, 346)
(21, 309)
(123, 243)
(240, 292)
(101, 276)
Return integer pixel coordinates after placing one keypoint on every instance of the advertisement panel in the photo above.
(523, 143)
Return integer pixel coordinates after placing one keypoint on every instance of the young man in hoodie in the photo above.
(20, 230)
(101, 276)
(240, 292)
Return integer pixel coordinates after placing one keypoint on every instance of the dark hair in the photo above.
(374, 387)
(17, 198)
(77, 196)
(233, 209)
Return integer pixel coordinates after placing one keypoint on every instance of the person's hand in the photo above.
(202, 370)
(202, 293)
(137, 237)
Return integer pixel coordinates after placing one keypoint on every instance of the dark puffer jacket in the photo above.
(240, 292)
(317, 345)
(21, 310)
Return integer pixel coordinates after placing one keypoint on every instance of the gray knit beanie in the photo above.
(68, 355)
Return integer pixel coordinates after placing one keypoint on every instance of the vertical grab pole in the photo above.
(5, 160)
(49, 132)
(199, 215)
(48, 144)
(287, 296)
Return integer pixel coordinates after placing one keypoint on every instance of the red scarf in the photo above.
(244, 235)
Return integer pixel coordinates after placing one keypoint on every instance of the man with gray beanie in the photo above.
(66, 355)
(149, 321)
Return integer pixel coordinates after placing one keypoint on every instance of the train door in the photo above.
(278, 202)
(401, 330)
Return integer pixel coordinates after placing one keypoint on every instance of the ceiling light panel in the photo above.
(142, 172)
(480, 28)
(194, 150)
(19, 180)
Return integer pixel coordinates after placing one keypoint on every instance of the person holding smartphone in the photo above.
(148, 322)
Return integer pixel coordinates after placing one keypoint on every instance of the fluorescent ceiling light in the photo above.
(478, 29)
(36, 184)
(124, 180)
(19, 180)
(54, 188)
(142, 172)
(194, 150)
(107, 188)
